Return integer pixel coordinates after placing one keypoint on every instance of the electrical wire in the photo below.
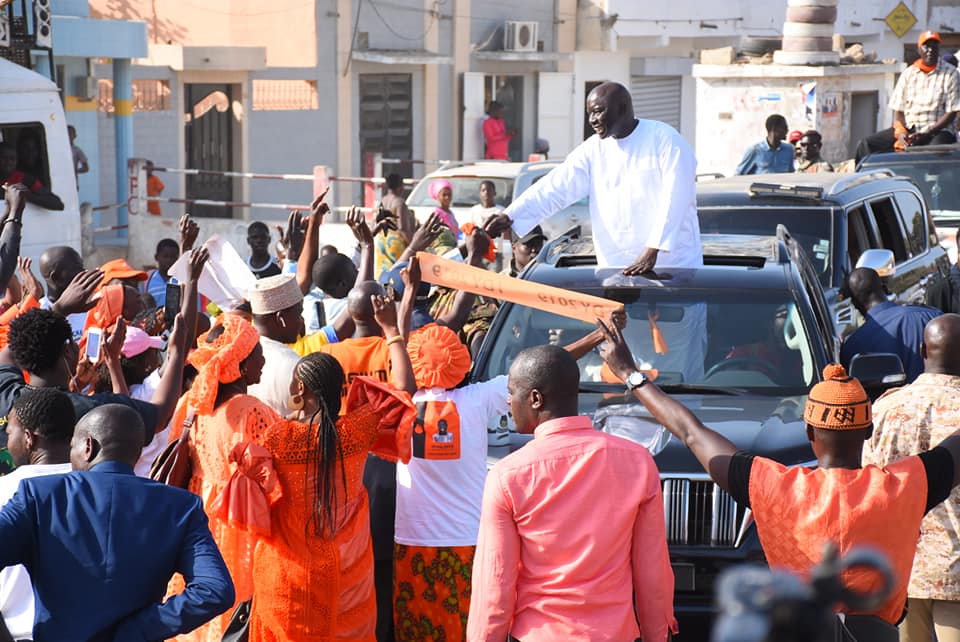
(433, 21)
(353, 39)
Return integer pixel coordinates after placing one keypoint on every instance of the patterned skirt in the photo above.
(431, 592)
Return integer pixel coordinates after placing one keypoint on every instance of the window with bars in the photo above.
(285, 95)
(148, 95)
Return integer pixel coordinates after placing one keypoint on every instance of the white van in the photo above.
(30, 107)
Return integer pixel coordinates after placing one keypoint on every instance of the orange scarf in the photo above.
(925, 68)
(219, 361)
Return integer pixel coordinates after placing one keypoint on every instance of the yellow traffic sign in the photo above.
(900, 20)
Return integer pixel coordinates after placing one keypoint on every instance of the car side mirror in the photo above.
(881, 261)
(878, 372)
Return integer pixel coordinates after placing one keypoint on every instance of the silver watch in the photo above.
(635, 380)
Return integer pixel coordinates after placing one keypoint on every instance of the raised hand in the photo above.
(30, 283)
(198, 258)
(291, 238)
(427, 233)
(189, 231)
(497, 224)
(318, 208)
(16, 197)
(385, 312)
(477, 245)
(78, 297)
(615, 351)
(411, 275)
(113, 339)
(358, 225)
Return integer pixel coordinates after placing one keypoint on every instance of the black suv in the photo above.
(936, 171)
(837, 218)
(746, 335)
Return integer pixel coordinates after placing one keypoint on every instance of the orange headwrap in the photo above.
(104, 314)
(838, 402)
(219, 361)
(439, 358)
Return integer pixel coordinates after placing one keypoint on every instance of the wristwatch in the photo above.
(635, 380)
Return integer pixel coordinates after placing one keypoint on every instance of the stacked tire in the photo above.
(808, 33)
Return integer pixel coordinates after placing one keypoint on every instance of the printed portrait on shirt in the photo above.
(436, 431)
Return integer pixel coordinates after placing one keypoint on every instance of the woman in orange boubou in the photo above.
(228, 359)
(313, 575)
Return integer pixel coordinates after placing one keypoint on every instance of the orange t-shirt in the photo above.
(360, 357)
(154, 187)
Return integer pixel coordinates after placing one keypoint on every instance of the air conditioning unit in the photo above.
(519, 36)
(86, 87)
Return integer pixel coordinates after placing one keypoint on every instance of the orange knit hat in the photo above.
(439, 358)
(838, 402)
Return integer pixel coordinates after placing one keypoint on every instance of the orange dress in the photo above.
(242, 418)
(308, 587)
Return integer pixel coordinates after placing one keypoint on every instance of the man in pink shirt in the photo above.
(572, 535)
(496, 138)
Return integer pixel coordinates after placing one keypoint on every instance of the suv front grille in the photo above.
(700, 513)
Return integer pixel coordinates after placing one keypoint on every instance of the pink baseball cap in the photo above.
(137, 342)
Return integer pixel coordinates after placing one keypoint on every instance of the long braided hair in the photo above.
(323, 376)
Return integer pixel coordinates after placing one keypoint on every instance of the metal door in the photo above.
(209, 145)
(657, 98)
(386, 118)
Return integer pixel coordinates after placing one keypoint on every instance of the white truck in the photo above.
(30, 107)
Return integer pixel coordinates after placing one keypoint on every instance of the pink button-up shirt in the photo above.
(572, 525)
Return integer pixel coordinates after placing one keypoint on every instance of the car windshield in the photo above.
(717, 341)
(466, 191)
(938, 180)
(811, 229)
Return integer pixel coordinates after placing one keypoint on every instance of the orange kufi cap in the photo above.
(439, 358)
(219, 361)
(838, 402)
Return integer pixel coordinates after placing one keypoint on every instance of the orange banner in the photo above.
(575, 305)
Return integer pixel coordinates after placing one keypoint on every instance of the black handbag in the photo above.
(238, 630)
(172, 466)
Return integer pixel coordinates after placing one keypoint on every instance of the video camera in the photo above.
(762, 605)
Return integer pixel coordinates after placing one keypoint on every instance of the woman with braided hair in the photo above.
(313, 575)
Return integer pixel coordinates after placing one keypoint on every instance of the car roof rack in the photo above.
(854, 180)
(803, 192)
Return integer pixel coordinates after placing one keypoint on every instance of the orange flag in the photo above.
(458, 276)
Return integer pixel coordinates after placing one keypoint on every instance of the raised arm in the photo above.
(423, 237)
(385, 312)
(10, 234)
(112, 348)
(171, 382)
(459, 312)
(411, 283)
(311, 243)
(188, 302)
(566, 184)
(711, 449)
(361, 231)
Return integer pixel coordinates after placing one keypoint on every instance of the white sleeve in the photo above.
(492, 396)
(896, 98)
(678, 195)
(563, 186)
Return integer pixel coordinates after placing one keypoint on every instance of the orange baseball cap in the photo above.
(928, 35)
